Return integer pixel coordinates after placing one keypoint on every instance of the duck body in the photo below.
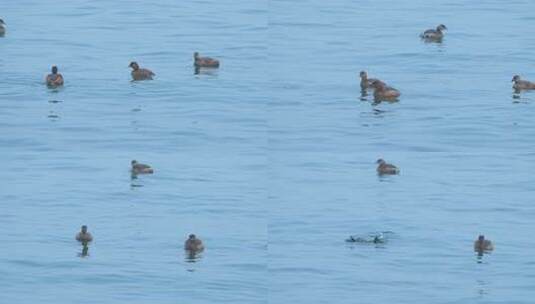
(84, 236)
(54, 79)
(434, 34)
(483, 245)
(138, 168)
(520, 84)
(140, 73)
(384, 92)
(204, 62)
(385, 168)
(193, 244)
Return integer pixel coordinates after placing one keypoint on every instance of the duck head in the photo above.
(195, 55)
(192, 237)
(2, 23)
(133, 65)
(133, 162)
(381, 161)
(481, 238)
(363, 74)
(54, 69)
(84, 229)
(515, 78)
(441, 27)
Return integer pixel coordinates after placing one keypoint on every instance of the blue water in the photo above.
(270, 159)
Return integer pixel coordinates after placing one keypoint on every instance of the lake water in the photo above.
(270, 159)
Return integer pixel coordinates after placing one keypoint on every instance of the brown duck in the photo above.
(54, 79)
(193, 244)
(139, 73)
(138, 168)
(83, 235)
(481, 244)
(204, 62)
(522, 84)
(434, 34)
(385, 168)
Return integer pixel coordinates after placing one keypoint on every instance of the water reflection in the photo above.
(432, 40)
(134, 182)
(134, 123)
(378, 112)
(204, 71)
(480, 254)
(363, 95)
(377, 100)
(193, 256)
(481, 288)
(53, 116)
(85, 250)
(54, 89)
(518, 98)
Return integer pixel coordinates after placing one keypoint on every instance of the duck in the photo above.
(384, 92)
(385, 168)
(365, 82)
(138, 168)
(54, 79)
(434, 34)
(139, 73)
(375, 239)
(204, 62)
(522, 84)
(482, 244)
(193, 244)
(84, 236)
(2, 27)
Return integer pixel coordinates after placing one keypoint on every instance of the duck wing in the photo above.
(141, 166)
(429, 33)
(147, 72)
(530, 84)
(372, 80)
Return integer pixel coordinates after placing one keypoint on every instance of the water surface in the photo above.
(271, 158)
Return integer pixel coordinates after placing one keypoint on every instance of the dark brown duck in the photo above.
(204, 62)
(385, 168)
(54, 79)
(139, 73)
(520, 84)
(434, 34)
